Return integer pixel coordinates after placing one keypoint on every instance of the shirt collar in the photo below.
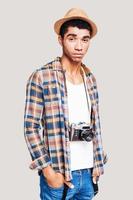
(57, 66)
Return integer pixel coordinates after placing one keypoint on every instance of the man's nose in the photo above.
(78, 46)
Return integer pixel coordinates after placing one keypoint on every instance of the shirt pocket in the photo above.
(52, 99)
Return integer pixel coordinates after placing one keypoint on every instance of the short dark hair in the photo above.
(79, 23)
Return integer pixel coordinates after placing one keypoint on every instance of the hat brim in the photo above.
(59, 23)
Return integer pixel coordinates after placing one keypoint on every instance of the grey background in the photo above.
(27, 41)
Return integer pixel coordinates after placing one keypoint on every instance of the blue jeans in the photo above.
(83, 187)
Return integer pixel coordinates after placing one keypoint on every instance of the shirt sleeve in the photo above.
(33, 120)
(99, 158)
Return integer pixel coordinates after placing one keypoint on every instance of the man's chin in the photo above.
(77, 59)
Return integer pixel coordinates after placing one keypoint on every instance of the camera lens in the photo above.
(87, 135)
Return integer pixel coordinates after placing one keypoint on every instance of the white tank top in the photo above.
(77, 103)
(81, 152)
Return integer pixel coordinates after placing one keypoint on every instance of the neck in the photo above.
(71, 67)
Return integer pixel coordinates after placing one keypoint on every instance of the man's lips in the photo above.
(77, 55)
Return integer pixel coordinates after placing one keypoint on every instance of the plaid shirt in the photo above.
(46, 119)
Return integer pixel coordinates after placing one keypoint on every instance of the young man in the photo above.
(62, 127)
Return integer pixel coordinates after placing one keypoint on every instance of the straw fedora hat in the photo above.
(75, 13)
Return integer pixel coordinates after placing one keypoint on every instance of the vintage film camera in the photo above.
(81, 133)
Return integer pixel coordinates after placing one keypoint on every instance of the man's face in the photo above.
(75, 43)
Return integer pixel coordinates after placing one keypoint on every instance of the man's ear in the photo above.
(60, 40)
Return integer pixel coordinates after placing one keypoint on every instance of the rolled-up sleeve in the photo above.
(33, 122)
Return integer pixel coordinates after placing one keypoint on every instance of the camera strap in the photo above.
(85, 86)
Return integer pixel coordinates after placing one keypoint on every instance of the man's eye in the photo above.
(71, 39)
(85, 40)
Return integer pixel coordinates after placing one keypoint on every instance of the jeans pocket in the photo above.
(95, 186)
(49, 192)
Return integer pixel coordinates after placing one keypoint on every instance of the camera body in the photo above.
(85, 133)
